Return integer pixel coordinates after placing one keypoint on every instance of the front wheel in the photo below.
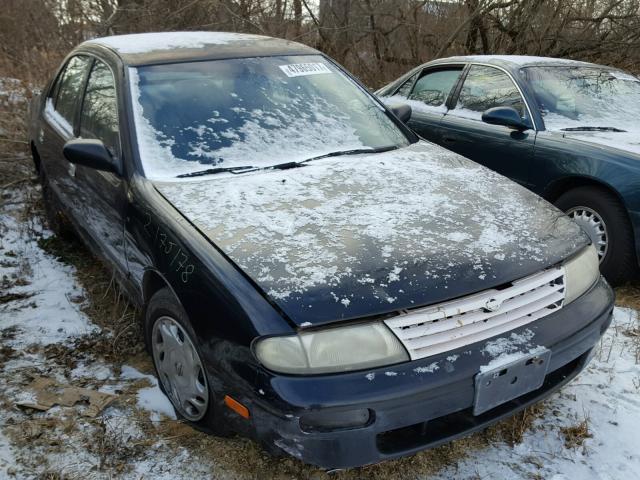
(605, 220)
(181, 372)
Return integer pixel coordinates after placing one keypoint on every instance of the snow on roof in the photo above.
(138, 43)
(522, 60)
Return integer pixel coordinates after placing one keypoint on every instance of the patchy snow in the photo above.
(319, 226)
(416, 105)
(628, 140)
(149, 42)
(507, 358)
(605, 394)
(61, 443)
(509, 344)
(523, 60)
(45, 310)
(432, 367)
(284, 120)
(150, 398)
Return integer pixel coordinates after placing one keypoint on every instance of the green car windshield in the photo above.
(585, 97)
(251, 111)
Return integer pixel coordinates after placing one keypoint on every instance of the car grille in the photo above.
(450, 325)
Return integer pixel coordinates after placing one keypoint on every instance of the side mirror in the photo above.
(505, 116)
(402, 111)
(90, 153)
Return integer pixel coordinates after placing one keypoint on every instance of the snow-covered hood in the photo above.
(356, 236)
(628, 141)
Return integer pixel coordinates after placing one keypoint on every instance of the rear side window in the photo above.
(99, 116)
(69, 88)
(434, 87)
(487, 87)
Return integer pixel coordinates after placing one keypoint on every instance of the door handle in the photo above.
(448, 139)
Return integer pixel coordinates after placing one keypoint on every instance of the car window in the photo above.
(70, 85)
(487, 87)
(405, 88)
(433, 88)
(258, 111)
(99, 117)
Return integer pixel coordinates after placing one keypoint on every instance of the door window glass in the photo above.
(433, 88)
(99, 117)
(406, 86)
(70, 87)
(487, 87)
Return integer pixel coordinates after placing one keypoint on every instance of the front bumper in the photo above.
(419, 404)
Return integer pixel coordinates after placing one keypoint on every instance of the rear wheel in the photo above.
(179, 366)
(605, 220)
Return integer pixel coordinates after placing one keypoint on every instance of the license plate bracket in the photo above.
(506, 382)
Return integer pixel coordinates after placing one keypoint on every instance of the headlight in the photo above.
(581, 272)
(340, 349)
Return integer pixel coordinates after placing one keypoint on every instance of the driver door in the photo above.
(101, 199)
(500, 148)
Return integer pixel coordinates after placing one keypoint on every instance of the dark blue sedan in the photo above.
(568, 130)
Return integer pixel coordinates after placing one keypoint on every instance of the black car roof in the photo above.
(173, 47)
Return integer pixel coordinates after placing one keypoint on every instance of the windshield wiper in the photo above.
(213, 171)
(285, 165)
(241, 169)
(353, 152)
(592, 129)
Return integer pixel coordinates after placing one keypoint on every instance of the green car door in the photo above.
(503, 149)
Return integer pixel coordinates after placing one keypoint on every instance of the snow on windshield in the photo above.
(254, 111)
(585, 97)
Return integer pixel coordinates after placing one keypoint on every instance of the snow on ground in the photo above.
(606, 395)
(135, 437)
(46, 309)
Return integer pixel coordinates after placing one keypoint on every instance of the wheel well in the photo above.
(559, 187)
(151, 283)
(35, 156)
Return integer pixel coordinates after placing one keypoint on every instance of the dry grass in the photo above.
(575, 435)
(629, 295)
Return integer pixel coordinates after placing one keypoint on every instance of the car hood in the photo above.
(628, 141)
(365, 235)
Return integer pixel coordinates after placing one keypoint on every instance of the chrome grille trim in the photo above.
(450, 325)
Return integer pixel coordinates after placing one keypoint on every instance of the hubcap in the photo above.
(594, 226)
(180, 369)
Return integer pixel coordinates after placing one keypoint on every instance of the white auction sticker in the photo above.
(301, 69)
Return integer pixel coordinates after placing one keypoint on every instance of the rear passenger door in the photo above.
(59, 125)
(427, 93)
(502, 149)
(428, 100)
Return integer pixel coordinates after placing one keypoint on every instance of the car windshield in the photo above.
(585, 97)
(255, 112)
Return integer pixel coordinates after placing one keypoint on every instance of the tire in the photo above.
(162, 306)
(618, 263)
(57, 222)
